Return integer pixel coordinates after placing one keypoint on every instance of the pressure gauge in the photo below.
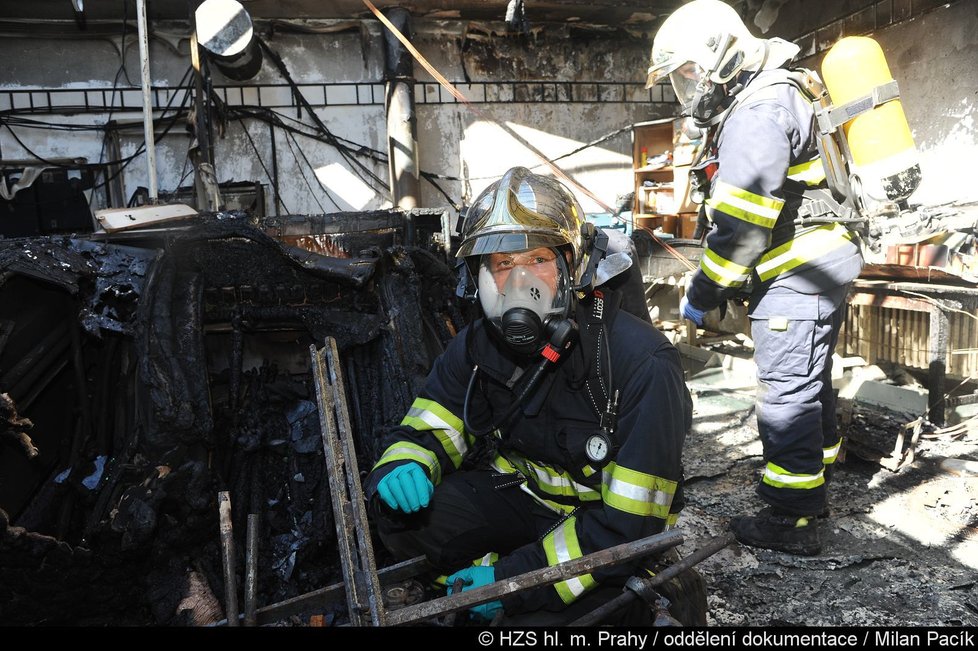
(597, 448)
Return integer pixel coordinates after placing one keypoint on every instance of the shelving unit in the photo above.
(663, 203)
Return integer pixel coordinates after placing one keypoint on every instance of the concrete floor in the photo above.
(900, 548)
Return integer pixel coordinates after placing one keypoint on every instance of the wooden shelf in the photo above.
(670, 194)
(647, 170)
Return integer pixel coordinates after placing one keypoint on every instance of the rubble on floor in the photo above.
(900, 547)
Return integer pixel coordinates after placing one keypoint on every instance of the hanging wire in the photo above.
(557, 171)
(262, 162)
(289, 140)
(348, 149)
(356, 166)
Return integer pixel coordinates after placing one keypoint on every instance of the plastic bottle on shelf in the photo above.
(645, 156)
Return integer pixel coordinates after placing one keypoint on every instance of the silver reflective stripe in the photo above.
(804, 248)
(564, 551)
(634, 492)
(405, 450)
(829, 454)
(811, 173)
(566, 485)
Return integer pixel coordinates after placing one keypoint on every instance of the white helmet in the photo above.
(704, 45)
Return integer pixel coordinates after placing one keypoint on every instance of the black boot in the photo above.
(781, 532)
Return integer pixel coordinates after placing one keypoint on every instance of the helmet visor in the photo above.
(686, 80)
(658, 71)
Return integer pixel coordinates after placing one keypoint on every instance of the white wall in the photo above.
(453, 140)
(935, 60)
(932, 55)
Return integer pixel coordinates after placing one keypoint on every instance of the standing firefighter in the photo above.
(763, 161)
(550, 428)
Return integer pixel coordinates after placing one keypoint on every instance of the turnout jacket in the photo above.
(767, 158)
(542, 447)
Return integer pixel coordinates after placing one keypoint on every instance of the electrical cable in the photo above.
(288, 140)
(557, 171)
(262, 163)
(352, 161)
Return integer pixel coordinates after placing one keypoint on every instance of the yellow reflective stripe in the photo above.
(745, 205)
(722, 271)
(810, 173)
(561, 545)
(775, 475)
(429, 416)
(551, 482)
(487, 561)
(830, 454)
(503, 465)
(672, 520)
(556, 507)
(802, 249)
(412, 452)
(637, 493)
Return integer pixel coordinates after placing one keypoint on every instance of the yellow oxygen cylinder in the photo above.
(883, 163)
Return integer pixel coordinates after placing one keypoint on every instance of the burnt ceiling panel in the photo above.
(599, 12)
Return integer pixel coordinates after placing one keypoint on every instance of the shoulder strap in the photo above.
(596, 314)
(804, 80)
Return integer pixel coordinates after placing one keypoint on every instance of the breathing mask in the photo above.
(524, 296)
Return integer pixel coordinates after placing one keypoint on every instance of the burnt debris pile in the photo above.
(140, 380)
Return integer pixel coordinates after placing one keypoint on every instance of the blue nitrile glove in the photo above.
(406, 488)
(689, 312)
(476, 577)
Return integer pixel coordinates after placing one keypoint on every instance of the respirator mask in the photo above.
(524, 296)
(702, 100)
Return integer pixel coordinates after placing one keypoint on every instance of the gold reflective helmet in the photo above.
(520, 212)
(523, 211)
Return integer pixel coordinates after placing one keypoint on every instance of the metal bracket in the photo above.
(832, 117)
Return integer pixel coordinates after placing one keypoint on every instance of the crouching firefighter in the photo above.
(551, 427)
(776, 234)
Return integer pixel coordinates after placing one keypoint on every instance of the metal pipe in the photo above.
(237, 354)
(402, 130)
(251, 570)
(205, 181)
(147, 99)
(227, 556)
(278, 194)
(81, 394)
(599, 614)
(536, 578)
